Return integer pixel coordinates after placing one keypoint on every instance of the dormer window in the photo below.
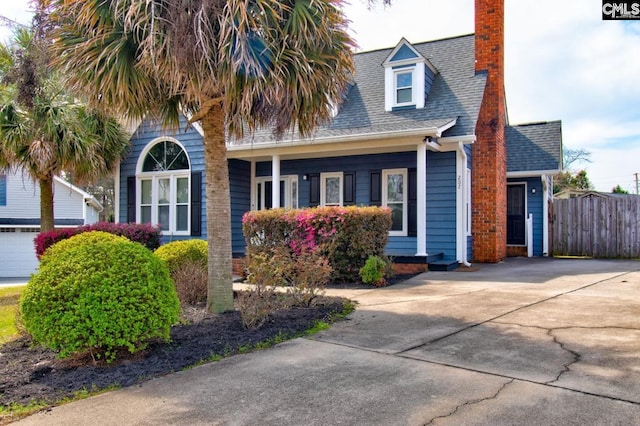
(404, 87)
(408, 78)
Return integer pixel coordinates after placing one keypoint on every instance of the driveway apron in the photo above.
(526, 341)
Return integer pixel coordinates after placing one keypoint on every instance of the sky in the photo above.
(562, 62)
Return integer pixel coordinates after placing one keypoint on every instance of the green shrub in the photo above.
(99, 298)
(345, 236)
(373, 271)
(187, 262)
(85, 238)
(177, 252)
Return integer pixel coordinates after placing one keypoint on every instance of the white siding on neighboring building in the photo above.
(23, 200)
(17, 251)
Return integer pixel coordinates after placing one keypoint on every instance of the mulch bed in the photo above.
(31, 374)
(34, 374)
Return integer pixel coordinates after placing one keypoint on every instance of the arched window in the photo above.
(163, 185)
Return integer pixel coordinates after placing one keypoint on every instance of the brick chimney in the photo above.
(489, 179)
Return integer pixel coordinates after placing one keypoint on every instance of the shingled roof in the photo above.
(534, 147)
(456, 94)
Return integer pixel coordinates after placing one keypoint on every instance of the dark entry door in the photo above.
(516, 214)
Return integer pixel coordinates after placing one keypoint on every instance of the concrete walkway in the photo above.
(524, 342)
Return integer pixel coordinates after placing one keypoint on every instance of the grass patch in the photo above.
(9, 297)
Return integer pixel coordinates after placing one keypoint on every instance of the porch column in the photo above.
(275, 179)
(421, 199)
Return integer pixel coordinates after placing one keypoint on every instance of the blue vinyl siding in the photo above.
(147, 132)
(3, 190)
(441, 194)
(403, 53)
(441, 204)
(535, 208)
(429, 76)
(240, 187)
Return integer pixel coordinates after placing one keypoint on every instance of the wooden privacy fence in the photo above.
(596, 227)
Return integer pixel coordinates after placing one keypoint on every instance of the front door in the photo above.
(516, 214)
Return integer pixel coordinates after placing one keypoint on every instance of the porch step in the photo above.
(434, 257)
(443, 265)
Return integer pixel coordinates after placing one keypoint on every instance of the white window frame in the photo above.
(323, 188)
(290, 202)
(405, 204)
(173, 204)
(155, 177)
(396, 73)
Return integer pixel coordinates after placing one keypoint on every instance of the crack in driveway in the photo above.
(504, 314)
(472, 402)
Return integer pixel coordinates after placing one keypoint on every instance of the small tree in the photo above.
(619, 190)
(568, 180)
(44, 130)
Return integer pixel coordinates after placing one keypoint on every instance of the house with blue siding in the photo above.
(411, 135)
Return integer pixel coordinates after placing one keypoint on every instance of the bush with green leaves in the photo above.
(373, 271)
(187, 262)
(78, 240)
(345, 236)
(100, 298)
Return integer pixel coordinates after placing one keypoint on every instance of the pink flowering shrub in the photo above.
(143, 233)
(345, 236)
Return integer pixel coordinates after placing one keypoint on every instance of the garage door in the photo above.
(17, 254)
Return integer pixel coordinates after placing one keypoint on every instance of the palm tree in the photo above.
(45, 131)
(233, 65)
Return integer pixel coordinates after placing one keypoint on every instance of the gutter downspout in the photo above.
(463, 183)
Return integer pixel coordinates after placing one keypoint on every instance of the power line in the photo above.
(8, 22)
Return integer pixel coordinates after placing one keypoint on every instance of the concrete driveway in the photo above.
(526, 342)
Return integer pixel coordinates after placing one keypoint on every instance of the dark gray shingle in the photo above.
(533, 147)
(456, 93)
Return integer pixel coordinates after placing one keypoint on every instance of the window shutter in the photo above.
(314, 190)
(412, 203)
(196, 204)
(349, 190)
(375, 190)
(131, 199)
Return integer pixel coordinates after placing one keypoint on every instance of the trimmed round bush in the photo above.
(176, 253)
(187, 263)
(77, 241)
(99, 298)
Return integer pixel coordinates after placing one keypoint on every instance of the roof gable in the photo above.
(406, 54)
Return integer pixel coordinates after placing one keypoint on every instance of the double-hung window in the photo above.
(394, 196)
(164, 188)
(404, 87)
(331, 193)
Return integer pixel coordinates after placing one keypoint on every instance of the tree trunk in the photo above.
(218, 201)
(46, 204)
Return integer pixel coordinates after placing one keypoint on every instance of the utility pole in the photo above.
(636, 175)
